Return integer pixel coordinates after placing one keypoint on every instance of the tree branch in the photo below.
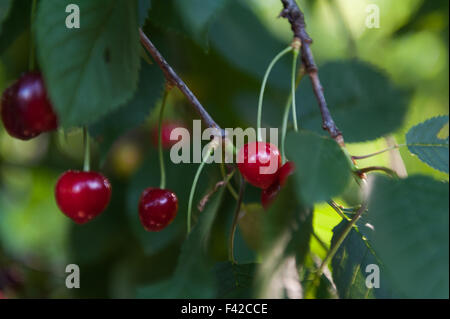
(296, 18)
(173, 79)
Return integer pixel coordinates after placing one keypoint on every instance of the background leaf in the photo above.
(143, 8)
(356, 88)
(15, 20)
(197, 15)
(88, 71)
(234, 280)
(423, 141)
(239, 36)
(410, 220)
(322, 168)
(287, 227)
(5, 7)
(349, 266)
(134, 113)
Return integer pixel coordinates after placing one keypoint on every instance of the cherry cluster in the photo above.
(26, 112)
(254, 161)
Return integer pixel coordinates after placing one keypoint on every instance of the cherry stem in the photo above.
(162, 184)
(286, 115)
(339, 241)
(263, 87)
(229, 186)
(377, 153)
(337, 209)
(293, 87)
(31, 62)
(235, 222)
(386, 170)
(193, 187)
(87, 152)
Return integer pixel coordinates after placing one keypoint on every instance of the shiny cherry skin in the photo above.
(268, 195)
(82, 196)
(166, 129)
(157, 208)
(25, 108)
(259, 163)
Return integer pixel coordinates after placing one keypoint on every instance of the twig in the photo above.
(296, 18)
(201, 205)
(173, 78)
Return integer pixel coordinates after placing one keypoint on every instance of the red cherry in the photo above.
(26, 110)
(166, 129)
(82, 196)
(285, 171)
(258, 163)
(157, 208)
(268, 195)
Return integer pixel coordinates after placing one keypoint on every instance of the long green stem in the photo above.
(286, 115)
(162, 184)
(337, 209)
(339, 241)
(235, 222)
(87, 151)
(293, 88)
(229, 186)
(31, 57)
(263, 87)
(284, 127)
(194, 185)
(377, 153)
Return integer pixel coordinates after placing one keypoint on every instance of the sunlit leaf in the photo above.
(423, 141)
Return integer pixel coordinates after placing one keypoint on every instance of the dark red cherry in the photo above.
(259, 163)
(157, 208)
(166, 129)
(82, 196)
(285, 171)
(26, 109)
(268, 195)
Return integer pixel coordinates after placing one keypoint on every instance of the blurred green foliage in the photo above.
(221, 51)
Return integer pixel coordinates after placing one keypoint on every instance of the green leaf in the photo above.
(15, 18)
(92, 70)
(234, 280)
(191, 18)
(322, 169)
(143, 8)
(240, 37)
(410, 219)
(5, 7)
(129, 116)
(192, 277)
(423, 141)
(364, 103)
(251, 223)
(197, 15)
(287, 227)
(350, 266)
